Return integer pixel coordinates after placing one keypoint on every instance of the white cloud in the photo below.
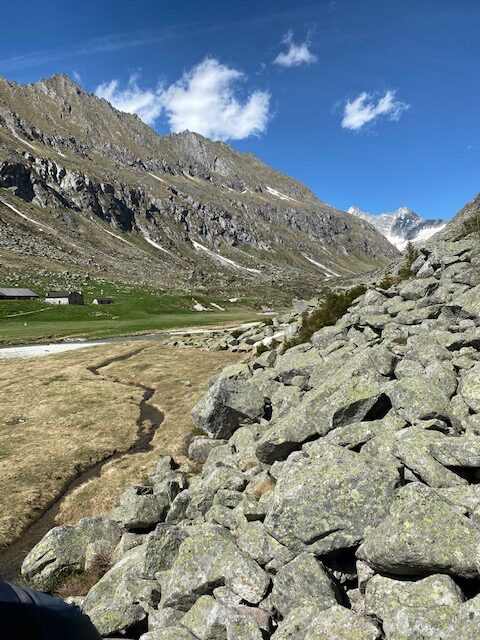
(202, 100)
(146, 103)
(366, 108)
(296, 54)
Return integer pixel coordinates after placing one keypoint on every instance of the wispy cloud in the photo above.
(296, 54)
(203, 100)
(367, 107)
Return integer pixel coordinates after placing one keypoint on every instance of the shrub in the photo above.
(333, 307)
(471, 225)
(79, 583)
(261, 348)
(387, 281)
(411, 254)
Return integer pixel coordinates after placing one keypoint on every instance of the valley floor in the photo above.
(78, 427)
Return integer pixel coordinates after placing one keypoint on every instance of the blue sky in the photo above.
(371, 103)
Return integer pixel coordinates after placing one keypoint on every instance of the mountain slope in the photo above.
(184, 211)
(401, 226)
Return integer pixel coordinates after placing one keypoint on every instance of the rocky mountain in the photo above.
(401, 226)
(338, 492)
(86, 186)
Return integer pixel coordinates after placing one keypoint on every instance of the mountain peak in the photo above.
(400, 226)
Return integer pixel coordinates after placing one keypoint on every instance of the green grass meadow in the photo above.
(134, 310)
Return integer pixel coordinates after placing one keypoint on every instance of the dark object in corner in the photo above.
(27, 614)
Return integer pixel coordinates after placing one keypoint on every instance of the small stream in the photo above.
(149, 420)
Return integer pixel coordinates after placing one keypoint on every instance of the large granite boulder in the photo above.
(327, 496)
(423, 534)
(301, 582)
(227, 404)
(207, 559)
(63, 549)
(119, 601)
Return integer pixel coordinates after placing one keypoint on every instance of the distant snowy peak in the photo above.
(401, 226)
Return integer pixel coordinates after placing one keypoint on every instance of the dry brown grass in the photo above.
(79, 583)
(263, 486)
(57, 419)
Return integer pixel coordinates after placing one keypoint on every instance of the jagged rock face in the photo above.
(349, 510)
(401, 226)
(207, 205)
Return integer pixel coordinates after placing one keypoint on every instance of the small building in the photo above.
(103, 301)
(64, 297)
(17, 294)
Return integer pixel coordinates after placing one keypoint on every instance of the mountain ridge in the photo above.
(223, 216)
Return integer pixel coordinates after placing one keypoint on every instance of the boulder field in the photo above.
(338, 495)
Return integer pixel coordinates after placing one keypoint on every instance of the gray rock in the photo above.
(416, 289)
(226, 405)
(384, 595)
(348, 394)
(178, 509)
(422, 397)
(161, 549)
(203, 492)
(302, 582)
(414, 448)
(171, 633)
(114, 603)
(209, 620)
(470, 388)
(457, 452)
(325, 499)
(208, 559)
(62, 550)
(201, 446)
(423, 534)
(139, 509)
(257, 543)
(265, 360)
(336, 623)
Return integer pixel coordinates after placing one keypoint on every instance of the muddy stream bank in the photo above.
(149, 420)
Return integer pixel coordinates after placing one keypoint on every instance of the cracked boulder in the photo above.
(423, 534)
(227, 404)
(327, 496)
(207, 559)
(63, 549)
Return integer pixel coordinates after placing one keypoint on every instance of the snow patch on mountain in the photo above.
(401, 226)
(279, 194)
(199, 247)
(328, 272)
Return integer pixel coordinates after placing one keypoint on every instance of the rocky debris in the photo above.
(338, 496)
